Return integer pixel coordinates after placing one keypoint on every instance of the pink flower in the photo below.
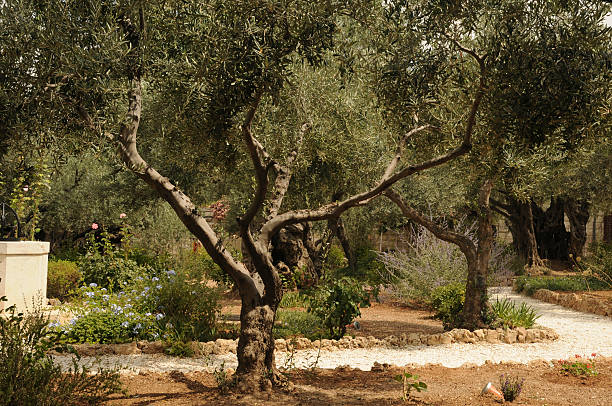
(94, 226)
(593, 355)
(122, 215)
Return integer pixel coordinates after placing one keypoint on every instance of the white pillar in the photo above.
(23, 274)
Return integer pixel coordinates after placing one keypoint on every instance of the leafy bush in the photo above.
(103, 317)
(174, 307)
(448, 301)
(510, 386)
(580, 366)
(429, 263)
(506, 314)
(290, 323)
(28, 375)
(294, 299)
(598, 265)
(190, 307)
(63, 278)
(336, 303)
(108, 266)
(529, 285)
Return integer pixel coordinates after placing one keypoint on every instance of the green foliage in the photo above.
(178, 347)
(63, 278)
(291, 323)
(410, 382)
(598, 264)
(448, 301)
(336, 303)
(101, 327)
(511, 386)
(28, 376)
(190, 307)
(107, 265)
(178, 308)
(529, 284)
(413, 274)
(580, 366)
(294, 299)
(508, 315)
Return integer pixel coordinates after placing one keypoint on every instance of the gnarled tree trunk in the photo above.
(577, 212)
(519, 219)
(255, 352)
(549, 225)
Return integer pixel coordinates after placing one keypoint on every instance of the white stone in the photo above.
(23, 274)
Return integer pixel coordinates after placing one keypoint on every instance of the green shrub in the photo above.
(529, 285)
(190, 307)
(447, 301)
(291, 323)
(28, 376)
(508, 315)
(415, 273)
(336, 303)
(63, 278)
(294, 299)
(110, 272)
(170, 306)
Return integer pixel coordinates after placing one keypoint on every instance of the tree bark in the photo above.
(551, 235)
(255, 352)
(474, 307)
(577, 211)
(520, 223)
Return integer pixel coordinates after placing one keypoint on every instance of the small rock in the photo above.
(126, 349)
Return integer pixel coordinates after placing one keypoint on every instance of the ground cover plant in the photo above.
(29, 376)
(507, 314)
(529, 284)
(511, 386)
(580, 366)
(173, 307)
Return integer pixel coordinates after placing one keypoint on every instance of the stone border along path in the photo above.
(579, 333)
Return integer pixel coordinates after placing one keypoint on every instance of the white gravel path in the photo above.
(579, 333)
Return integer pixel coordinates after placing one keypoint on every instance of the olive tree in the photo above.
(205, 68)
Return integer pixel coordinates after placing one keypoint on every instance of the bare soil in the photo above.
(544, 385)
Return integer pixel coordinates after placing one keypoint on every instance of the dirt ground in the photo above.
(544, 385)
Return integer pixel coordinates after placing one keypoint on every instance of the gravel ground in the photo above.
(580, 333)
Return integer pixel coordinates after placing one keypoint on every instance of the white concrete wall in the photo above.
(23, 274)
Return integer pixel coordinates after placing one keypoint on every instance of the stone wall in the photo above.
(576, 301)
(224, 346)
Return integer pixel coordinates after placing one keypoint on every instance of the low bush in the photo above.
(414, 274)
(169, 306)
(511, 386)
(294, 299)
(507, 314)
(336, 303)
(291, 323)
(63, 278)
(580, 366)
(447, 301)
(529, 284)
(107, 265)
(28, 376)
